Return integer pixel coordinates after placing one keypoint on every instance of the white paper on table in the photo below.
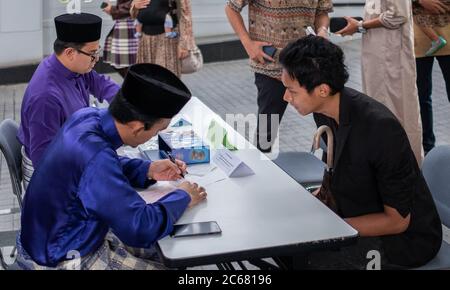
(231, 164)
(162, 188)
(157, 191)
(201, 169)
(211, 178)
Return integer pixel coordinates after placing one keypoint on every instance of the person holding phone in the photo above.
(82, 198)
(273, 24)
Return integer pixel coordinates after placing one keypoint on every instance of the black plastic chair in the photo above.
(10, 147)
(305, 167)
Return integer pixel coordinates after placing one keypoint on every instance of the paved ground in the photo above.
(227, 88)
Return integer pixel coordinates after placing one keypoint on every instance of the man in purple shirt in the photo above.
(62, 85)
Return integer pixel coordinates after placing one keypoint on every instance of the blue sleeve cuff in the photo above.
(175, 203)
(143, 179)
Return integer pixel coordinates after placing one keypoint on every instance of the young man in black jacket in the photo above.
(376, 183)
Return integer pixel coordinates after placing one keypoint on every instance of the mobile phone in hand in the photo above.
(104, 5)
(310, 31)
(339, 23)
(269, 50)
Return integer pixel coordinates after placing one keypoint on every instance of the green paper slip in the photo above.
(218, 135)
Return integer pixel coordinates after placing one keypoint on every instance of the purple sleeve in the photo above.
(45, 118)
(101, 86)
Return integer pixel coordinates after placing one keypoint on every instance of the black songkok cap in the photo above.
(78, 28)
(154, 90)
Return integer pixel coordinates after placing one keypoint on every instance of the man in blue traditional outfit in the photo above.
(61, 85)
(82, 189)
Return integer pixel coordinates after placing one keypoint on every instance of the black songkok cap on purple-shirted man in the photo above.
(78, 28)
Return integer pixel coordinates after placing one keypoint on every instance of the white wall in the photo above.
(20, 32)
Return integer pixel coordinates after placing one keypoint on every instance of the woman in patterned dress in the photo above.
(154, 46)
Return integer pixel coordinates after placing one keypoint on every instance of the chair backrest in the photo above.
(10, 148)
(436, 170)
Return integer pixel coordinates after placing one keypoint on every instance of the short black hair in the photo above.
(314, 60)
(59, 46)
(124, 112)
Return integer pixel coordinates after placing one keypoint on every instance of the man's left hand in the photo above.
(166, 170)
(351, 28)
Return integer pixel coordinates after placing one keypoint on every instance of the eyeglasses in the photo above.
(94, 56)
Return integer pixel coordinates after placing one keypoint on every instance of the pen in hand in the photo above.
(174, 162)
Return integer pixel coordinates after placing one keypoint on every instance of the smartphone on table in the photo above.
(196, 229)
